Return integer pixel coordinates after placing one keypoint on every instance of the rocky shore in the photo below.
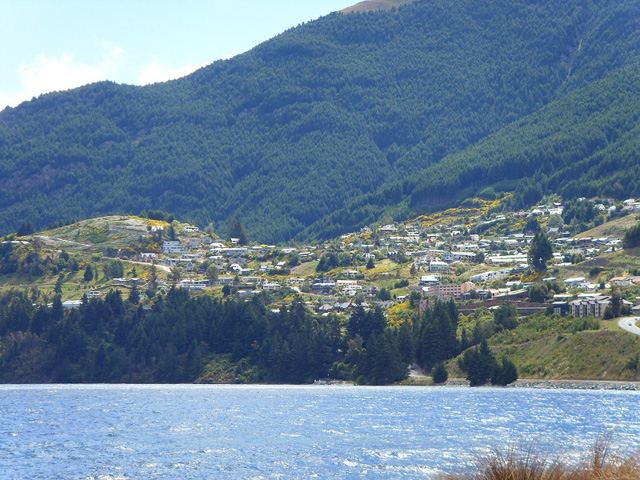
(577, 384)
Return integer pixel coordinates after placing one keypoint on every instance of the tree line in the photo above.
(117, 340)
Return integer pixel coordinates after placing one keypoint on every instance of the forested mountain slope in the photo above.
(352, 110)
(587, 143)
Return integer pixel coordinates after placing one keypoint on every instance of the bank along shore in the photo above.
(538, 383)
(577, 384)
(571, 384)
(559, 384)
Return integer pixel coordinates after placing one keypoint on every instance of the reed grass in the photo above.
(602, 464)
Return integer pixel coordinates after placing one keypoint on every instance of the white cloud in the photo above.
(52, 74)
(156, 72)
(49, 74)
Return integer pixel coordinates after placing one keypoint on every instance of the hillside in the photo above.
(133, 299)
(375, 5)
(396, 111)
(550, 349)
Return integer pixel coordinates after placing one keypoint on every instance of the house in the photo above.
(323, 288)
(592, 305)
(194, 284)
(190, 229)
(451, 290)
(575, 282)
(561, 308)
(429, 280)
(388, 229)
(173, 247)
(352, 291)
(458, 256)
(506, 259)
(585, 241)
(589, 306)
(439, 267)
(233, 251)
(244, 294)
(490, 276)
(621, 281)
(342, 284)
(69, 304)
(147, 257)
(271, 286)
(127, 281)
(370, 290)
(172, 262)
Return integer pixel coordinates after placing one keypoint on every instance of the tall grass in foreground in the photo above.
(514, 465)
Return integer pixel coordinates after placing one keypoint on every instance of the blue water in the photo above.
(238, 432)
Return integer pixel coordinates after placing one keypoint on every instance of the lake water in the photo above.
(237, 432)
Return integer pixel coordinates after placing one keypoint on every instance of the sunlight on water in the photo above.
(195, 431)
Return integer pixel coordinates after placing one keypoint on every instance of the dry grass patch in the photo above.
(514, 465)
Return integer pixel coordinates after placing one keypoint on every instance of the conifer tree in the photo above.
(88, 273)
(439, 373)
(540, 252)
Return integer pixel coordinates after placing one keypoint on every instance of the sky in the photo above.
(48, 45)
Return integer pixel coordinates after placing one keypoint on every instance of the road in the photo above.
(629, 324)
(59, 240)
(161, 267)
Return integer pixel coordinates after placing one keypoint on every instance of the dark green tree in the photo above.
(632, 237)
(58, 286)
(88, 273)
(540, 252)
(538, 292)
(532, 226)
(614, 309)
(506, 315)
(172, 233)
(479, 363)
(25, 228)
(384, 294)
(235, 229)
(153, 277)
(134, 295)
(439, 373)
(504, 373)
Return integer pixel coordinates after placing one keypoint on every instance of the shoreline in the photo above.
(626, 385)
(534, 383)
(544, 384)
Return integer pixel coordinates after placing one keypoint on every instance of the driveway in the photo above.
(629, 324)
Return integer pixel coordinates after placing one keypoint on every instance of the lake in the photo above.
(259, 432)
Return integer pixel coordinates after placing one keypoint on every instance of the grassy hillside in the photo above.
(324, 115)
(558, 348)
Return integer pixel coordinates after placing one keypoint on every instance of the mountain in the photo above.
(340, 120)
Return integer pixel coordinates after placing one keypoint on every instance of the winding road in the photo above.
(629, 324)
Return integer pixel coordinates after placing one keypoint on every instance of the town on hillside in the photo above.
(478, 255)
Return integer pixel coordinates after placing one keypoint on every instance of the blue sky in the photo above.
(48, 45)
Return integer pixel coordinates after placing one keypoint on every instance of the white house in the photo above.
(439, 267)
